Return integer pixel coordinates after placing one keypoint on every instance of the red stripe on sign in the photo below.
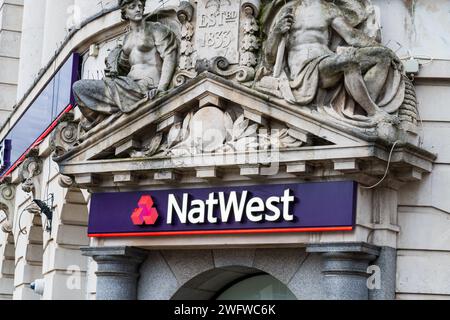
(217, 232)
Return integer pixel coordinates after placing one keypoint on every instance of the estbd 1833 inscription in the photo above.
(217, 29)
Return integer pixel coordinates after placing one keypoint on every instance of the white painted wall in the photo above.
(31, 44)
(10, 34)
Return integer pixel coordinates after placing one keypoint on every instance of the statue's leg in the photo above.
(375, 64)
(331, 70)
(346, 63)
(94, 97)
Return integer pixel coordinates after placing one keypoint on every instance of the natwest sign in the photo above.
(308, 207)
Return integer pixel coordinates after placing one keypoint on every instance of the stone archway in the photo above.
(29, 254)
(174, 274)
(7, 265)
(65, 276)
(208, 285)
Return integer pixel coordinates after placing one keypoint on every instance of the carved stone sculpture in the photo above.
(65, 135)
(212, 130)
(328, 53)
(29, 171)
(250, 43)
(186, 64)
(140, 69)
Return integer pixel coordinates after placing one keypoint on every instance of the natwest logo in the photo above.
(146, 214)
(231, 209)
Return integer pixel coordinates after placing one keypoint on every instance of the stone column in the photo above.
(117, 272)
(344, 266)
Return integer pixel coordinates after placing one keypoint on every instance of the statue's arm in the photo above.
(117, 63)
(352, 36)
(168, 69)
(167, 46)
(281, 28)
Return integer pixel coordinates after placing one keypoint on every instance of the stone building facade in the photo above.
(101, 122)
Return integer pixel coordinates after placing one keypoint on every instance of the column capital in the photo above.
(115, 252)
(344, 268)
(117, 271)
(345, 248)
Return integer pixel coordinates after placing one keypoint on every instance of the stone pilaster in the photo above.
(344, 266)
(117, 271)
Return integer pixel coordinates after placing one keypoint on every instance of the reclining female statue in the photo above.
(141, 68)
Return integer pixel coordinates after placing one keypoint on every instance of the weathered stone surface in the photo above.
(157, 282)
(307, 282)
(281, 263)
(217, 29)
(188, 264)
(424, 228)
(368, 96)
(344, 266)
(132, 73)
(423, 272)
(229, 258)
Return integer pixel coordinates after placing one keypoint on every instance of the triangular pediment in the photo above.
(210, 125)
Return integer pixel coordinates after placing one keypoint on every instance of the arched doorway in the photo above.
(234, 283)
(258, 287)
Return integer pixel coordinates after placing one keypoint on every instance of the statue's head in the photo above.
(132, 10)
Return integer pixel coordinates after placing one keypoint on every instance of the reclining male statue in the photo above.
(323, 48)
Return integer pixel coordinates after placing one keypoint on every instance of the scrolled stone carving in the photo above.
(65, 181)
(29, 170)
(328, 54)
(64, 136)
(7, 196)
(141, 69)
(222, 67)
(6, 227)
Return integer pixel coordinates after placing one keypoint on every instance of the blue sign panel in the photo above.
(48, 105)
(307, 207)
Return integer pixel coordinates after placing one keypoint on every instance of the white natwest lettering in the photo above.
(255, 209)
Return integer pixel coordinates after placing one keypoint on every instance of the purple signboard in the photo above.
(307, 207)
(41, 115)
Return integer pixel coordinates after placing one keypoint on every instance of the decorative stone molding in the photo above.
(65, 181)
(250, 43)
(65, 135)
(222, 67)
(29, 171)
(211, 130)
(186, 63)
(161, 136)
